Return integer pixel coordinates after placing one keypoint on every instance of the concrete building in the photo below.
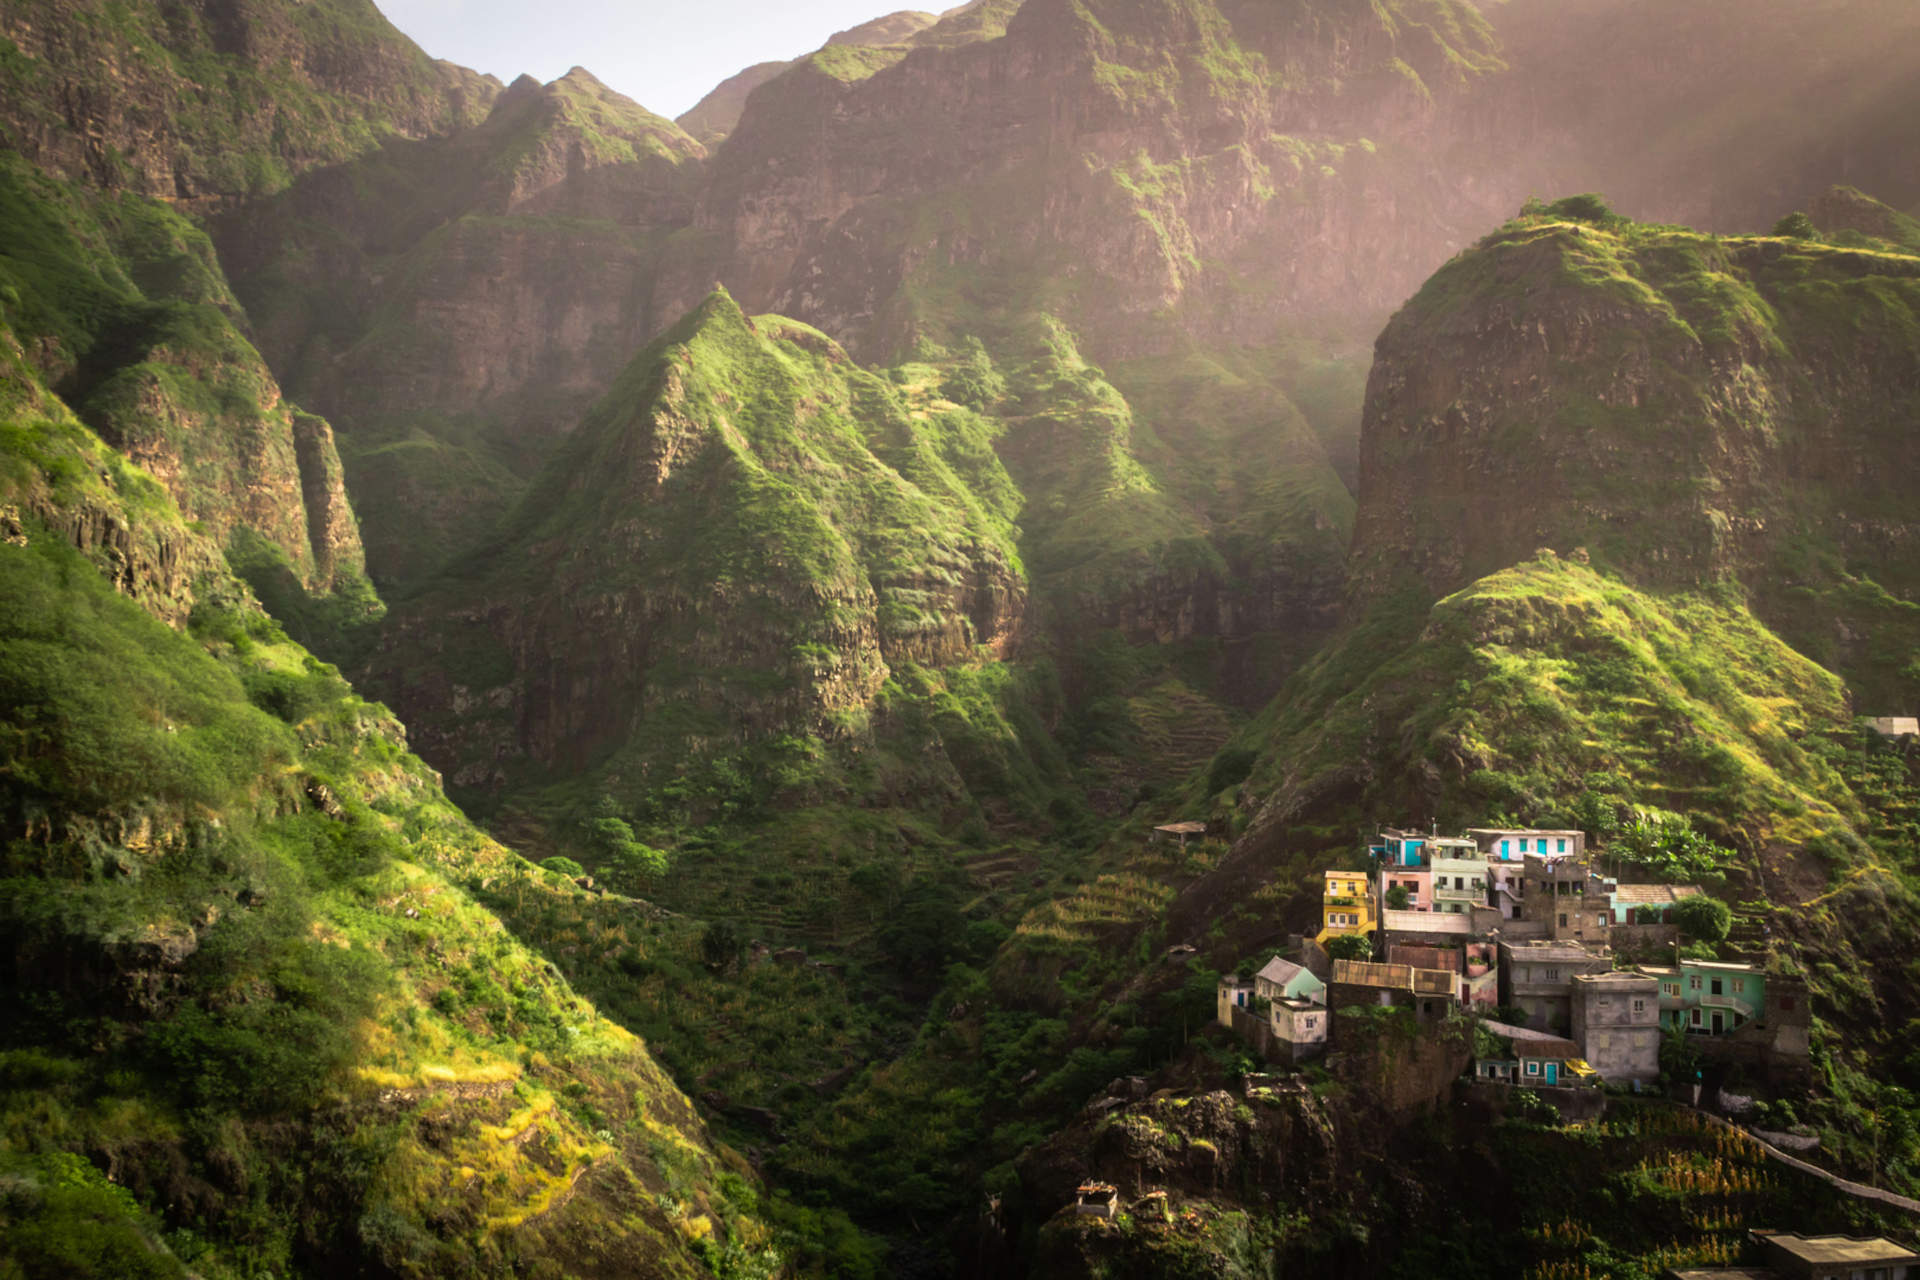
(1459, 884)
(1544, 1062)
(1709, 998)
(1284, 980)
(1506, 884)
(1299, 1029)
(1798, 1257)
(1895, 726)
(1563, 893)
(1346, 905)
(1430, 993)
(1232, 992)
(1647, 903)
(1505, 844)
(1417, 882)
(1538, 976)
(1616, 1021)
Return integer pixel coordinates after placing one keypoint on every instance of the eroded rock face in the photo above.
(204, 102)
(737, 541)
(1683, 407)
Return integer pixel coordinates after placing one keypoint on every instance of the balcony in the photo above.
(1726, 1002)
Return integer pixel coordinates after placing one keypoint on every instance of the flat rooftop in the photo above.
(1536, 949)
(1622, 977)
(1821, 1250)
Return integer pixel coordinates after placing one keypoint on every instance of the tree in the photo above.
(563, 866)
(1351, 946)
(1798, 226)
(612, 840)
(1397, 898)
(721, 946)
(1706, 919)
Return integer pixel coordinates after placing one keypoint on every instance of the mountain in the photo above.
(736, 543)
(205, 103)
(254, 1013)
(830, 531)
(1685, 407)
(257, 1015)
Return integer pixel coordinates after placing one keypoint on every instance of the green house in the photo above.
(1709, 998)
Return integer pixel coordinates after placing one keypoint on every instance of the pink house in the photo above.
(1417, 881)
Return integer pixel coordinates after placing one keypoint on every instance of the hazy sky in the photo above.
(664, 54)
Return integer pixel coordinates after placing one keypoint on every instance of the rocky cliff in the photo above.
(120, 304)
(253, 1013)
(739, 541)
(459, 302)
(1684, 407)
(209, 101)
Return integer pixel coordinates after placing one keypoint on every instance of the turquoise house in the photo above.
(1709, 998)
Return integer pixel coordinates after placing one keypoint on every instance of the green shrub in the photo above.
(1798, 226)
(1703, 918)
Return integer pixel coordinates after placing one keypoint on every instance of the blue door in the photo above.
(1553, 1073)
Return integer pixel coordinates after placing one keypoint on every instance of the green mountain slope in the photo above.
(736, 544)
(1683, 406)
(120, 303)
(244, 975)
(459, 302)
(211, 103)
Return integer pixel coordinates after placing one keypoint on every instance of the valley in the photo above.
(588, 694)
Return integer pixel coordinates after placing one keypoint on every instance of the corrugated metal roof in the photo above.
(1653, 895)
(1427, 921)
(1280, 972)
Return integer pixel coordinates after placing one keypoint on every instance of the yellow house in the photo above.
(1346, 906)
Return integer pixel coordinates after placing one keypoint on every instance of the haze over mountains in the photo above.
(809, 543)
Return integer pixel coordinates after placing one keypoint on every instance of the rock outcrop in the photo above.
(739, 540)
(1686, 408)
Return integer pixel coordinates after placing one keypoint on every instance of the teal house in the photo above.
(1709, 998)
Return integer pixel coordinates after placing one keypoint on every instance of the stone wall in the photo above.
(1489, 1100)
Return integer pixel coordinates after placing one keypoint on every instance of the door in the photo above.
(1719, 1022)
(1553, 1073)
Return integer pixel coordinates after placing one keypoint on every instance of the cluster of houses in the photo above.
(1519, 922)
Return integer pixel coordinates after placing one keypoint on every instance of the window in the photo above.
(1696, 1017)
(1553, 975)
(1717, 985)
(1739, 986)
(1312, 1023)
(1563, 919)
(1533, 1068)
(1563, 846)
(1693, 982)
(1639, 1006)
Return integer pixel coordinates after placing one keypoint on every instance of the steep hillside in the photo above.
(208, 103)
(119, 302)
(1684, 407)
(737, 543)
(940, 176)
(459, 302)
(254, 1020)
